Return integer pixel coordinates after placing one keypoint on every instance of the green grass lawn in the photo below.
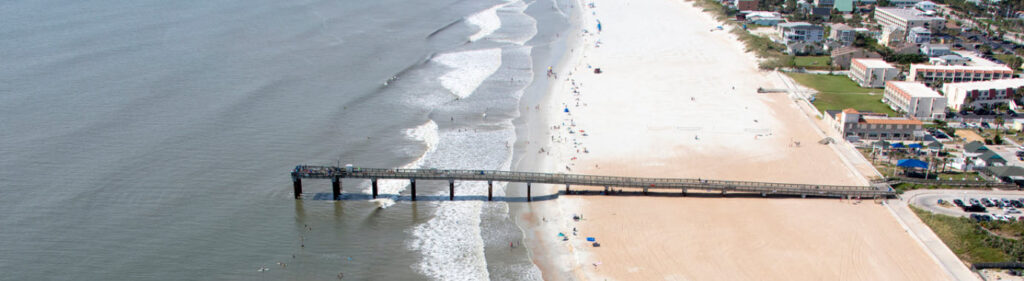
(837, 92)
(812, 62)
(963, 236)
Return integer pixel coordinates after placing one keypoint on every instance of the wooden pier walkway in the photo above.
(336, 174)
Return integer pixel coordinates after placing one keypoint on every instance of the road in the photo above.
(938, 250)
(928, 199)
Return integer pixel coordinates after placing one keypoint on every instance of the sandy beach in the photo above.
(676, 97)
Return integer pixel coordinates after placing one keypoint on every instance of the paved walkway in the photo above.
(956, 269)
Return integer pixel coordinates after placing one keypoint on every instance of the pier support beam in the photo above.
(723, 192)
(412, 183)
(490, 190)
(528, 199)
(336, 187)
(607, 191)
(567, 188)
(645, 190)
(297, 187)
(373, 182)
(684, 191)
(803, 195)
(451, 190)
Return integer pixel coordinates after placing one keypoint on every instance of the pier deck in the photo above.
(490, 176)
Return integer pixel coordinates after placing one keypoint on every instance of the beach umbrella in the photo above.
(915, 145)
(566, 110)
(591, 239)
(912, 163)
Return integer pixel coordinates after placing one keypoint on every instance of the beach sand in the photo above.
(675, 97)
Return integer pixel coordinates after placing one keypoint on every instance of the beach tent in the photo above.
(566, 110)
(915, 145)
(912, 163)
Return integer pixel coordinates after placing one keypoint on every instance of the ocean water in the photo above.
(152, 140)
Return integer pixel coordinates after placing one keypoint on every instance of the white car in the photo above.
(1012, 210)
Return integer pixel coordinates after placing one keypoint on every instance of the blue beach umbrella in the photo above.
(912, 163)
(915, 145)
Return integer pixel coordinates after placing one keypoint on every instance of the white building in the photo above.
(915, 99)
(907, 18)
(951, 59)
(981, 93)
(931, 74)
(764, 18)
(919, 35)
(871, 73)
(925, 6)
(935, 50)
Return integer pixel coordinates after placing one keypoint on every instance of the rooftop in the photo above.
(797, 24)
(991, 84)
(890, 121)
(935, 46)
(914, 89)
(872, 63)
(907, 13)
(961, 67)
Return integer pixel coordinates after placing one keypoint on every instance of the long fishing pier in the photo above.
(336, 174)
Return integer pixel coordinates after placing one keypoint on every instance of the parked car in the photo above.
(1012, 210)
(976, 208)
(958, 203)
(976, 202)
(1006, 202)
(987, 203)
(1016, 204)
(998, 203)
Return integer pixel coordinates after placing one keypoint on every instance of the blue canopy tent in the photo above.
(898, 145)
(915, 145)
(912, 163)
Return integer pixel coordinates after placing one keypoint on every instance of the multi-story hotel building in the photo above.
(871, 73)
(855, 125)
(930, 74)
(983, 93)
(907, 18)
(915, 100)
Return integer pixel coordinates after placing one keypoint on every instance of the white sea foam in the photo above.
(469, 69)
(450, 242)
(487, 21)
(516, 26)
(428, 134)
(383, 203)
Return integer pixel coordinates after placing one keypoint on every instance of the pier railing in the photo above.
(490, 176)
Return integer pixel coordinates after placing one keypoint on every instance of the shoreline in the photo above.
(531, 123)
(680, 115)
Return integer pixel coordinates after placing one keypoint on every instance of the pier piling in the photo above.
(336, 187)
(490, 190)
(451, 190)
(412, 182)
(528, 199)
(297, 186)
(606, 190)
(566, 188)
(373, 182)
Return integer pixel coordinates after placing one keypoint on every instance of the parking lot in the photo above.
(930, 200)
